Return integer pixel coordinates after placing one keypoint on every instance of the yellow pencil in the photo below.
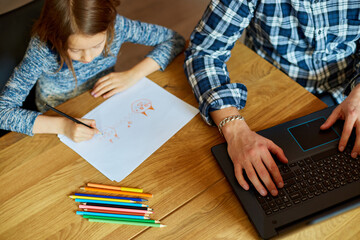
(102, 199)
(116, 192)
(126, 189)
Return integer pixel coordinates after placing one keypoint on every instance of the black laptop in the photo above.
(319, 180)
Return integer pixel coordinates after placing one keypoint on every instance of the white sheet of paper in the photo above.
(134, 124)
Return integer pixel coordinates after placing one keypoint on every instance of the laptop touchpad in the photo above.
(309, 136)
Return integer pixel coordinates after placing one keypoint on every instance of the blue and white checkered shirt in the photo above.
(315, 42)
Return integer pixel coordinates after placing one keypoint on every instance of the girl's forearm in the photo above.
(144, 68)
(49, 124)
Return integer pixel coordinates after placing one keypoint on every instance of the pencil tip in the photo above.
(162, 225)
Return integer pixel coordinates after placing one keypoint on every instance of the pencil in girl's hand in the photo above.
(69, 117)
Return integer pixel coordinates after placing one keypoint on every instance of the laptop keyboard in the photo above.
(310, 177)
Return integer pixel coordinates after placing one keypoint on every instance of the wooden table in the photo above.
(191, 195)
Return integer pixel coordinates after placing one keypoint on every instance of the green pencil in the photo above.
(127, 222)
(122, 219)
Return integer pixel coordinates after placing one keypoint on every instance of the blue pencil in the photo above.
(111, 215)
(111, 203)
(104, 196)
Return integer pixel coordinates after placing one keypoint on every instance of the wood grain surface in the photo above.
(191, 195)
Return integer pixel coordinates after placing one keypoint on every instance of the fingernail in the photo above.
(280, 184)
(341, 148)
(263, 192)
(354, 154)
(273, 192)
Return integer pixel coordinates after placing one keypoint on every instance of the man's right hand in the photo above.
(251, 152)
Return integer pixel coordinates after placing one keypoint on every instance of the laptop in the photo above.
(319, 180)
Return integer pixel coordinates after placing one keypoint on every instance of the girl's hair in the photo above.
(61, 18)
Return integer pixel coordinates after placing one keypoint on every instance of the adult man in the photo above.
(315, 42)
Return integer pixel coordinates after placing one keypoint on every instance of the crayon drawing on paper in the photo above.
(134, 123)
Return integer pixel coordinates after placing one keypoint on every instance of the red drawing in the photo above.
(109, 134)
(141, 106)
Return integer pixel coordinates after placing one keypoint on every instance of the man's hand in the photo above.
(348, 110)
(251, 152)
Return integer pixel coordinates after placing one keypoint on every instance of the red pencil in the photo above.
(114, 209)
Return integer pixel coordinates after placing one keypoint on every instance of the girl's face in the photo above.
(84, 48)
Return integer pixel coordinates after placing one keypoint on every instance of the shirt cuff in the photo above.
(355, 80)
(229, 95)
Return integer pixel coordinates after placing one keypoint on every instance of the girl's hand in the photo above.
(78, 132)
(113, 83)
(348, 110)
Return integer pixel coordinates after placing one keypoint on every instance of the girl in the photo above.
(73, 49)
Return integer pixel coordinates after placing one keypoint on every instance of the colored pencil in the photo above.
(126, 222)
(111, 215)
(111, 203)
(111, 197)
(115, 212)
(114, 209)
(102, 199)
(123, 219)
(116, 206)
(67, 116)
(126, 189)
(116, 191)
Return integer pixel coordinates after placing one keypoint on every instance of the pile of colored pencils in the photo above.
(115, 209)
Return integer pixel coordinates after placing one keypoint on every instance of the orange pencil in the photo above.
(126, 189)
(116, 191)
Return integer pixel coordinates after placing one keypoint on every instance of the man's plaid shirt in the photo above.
(315, 42)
